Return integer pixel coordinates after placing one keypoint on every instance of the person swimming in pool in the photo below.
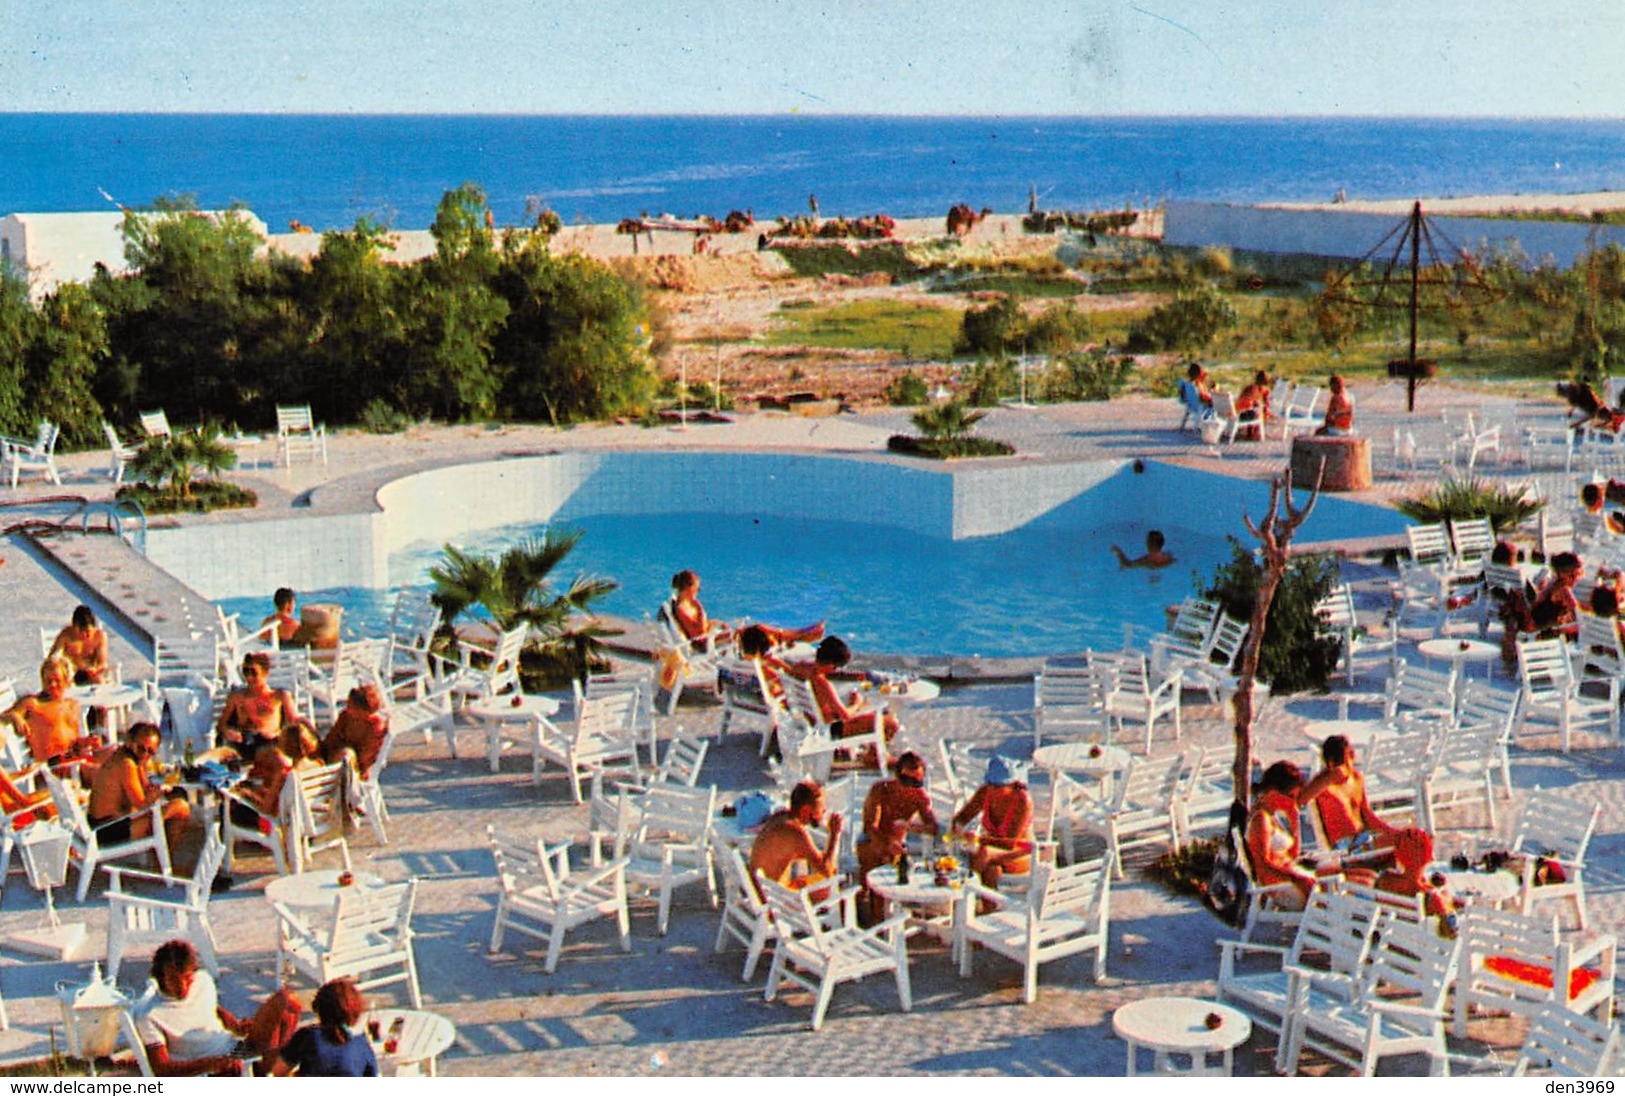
(1155, 557)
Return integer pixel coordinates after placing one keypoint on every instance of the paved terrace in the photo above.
(672, 1007)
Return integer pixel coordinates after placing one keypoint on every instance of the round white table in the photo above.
(933, 908)
(316, 891)
(1081, 757)
(418, 1038)
(1490, 887)
(1179, 1025)
(508, 709)
(1358, 731)
(1458, 652)
(110, 695)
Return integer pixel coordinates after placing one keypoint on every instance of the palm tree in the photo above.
(947, 422)
(173, 463)
(514, 588)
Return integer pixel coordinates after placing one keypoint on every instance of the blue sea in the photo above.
(328, 170)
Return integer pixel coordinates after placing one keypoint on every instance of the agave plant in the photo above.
(1507, 507)
(515, 587)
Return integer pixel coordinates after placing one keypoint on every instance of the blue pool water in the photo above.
(1048, 586)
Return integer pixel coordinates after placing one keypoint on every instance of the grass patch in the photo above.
(1016, 284)
(913, 330)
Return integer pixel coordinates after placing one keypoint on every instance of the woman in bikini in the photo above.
(256, 714)
(1006, 812)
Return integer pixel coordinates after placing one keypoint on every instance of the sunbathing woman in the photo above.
(690, 617)
(255, 714)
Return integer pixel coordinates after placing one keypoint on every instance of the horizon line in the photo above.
(794, 114)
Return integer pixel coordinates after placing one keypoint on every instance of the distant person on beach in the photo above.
(785, 852)
(286, 616)
(1155, 557)
(1339, 421)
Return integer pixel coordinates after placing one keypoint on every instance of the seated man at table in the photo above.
(286, 616)
(49, 719)
(256, 713)
(785, 852)
(847, 718)
(186, 1031)
(122, 787)
(1337, 795)
(892, 810)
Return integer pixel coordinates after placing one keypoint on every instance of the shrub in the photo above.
(907, 390)
(1299, 652)
(995, 329)
(935, 449)
(1507, 507)
(378, 417)
(988, 382)
(205, 495)
(1087, 375)
(1195, 317)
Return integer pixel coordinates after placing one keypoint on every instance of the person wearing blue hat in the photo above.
(1005, 810)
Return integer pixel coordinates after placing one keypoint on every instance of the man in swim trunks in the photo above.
(286, 616)
(784, 842)
(255, 714)
(893, 809)
(848, 718)
(122, 787)
(49, 719)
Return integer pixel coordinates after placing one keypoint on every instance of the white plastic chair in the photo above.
(699, 658)
(744, 915)
(808, 742)
(299, 434)
(36, 456)
(1396, 1004)
(1069, 703)
(1551, 690)
(1300, 409)
(91, 853)
(368, 937)
(1065, 911)
(321, 805)
(539, 896)
(1521, 965)
(817, 956)
(1140, 811)
(119, 454)
(668, 844)
(1567, 1044)
(1138, 694)
(155, 424)
(747, 700)
(1555, 825)
(135, 920)
(602, 738)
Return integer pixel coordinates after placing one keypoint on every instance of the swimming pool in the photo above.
(992, 562)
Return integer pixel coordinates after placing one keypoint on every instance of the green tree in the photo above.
(360, 321)
(993, 330)
(448, 370)
(1298, 650)
(575, 343)
(17, 322)
(70, 341)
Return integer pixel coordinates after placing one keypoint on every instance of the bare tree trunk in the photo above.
(1275, 536)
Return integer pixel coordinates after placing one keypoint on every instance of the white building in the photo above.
(51, 248)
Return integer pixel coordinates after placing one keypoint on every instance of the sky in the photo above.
(1304, 57)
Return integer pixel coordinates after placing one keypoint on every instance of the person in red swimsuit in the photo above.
(1006, 811)
(698, 628)
(892, 810)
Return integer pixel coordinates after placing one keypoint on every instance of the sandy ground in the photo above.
(673, 1007)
